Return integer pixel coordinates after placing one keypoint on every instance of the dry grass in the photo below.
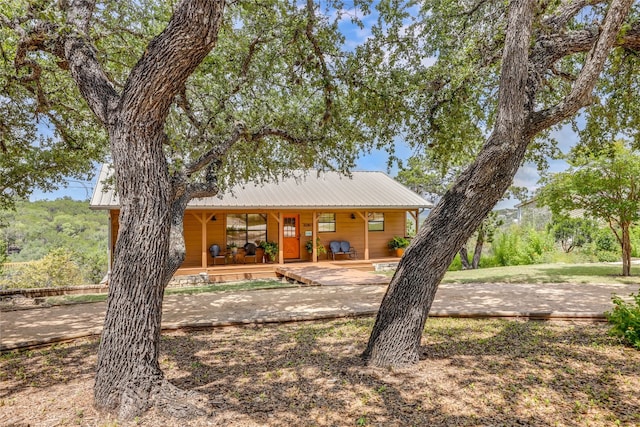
(472, 373)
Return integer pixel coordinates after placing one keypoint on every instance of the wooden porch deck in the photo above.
(234, 272)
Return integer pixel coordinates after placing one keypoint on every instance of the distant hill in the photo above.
(36, 228)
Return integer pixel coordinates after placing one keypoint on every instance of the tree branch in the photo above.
(567, 11)
(580, 94)
(240, 132)
(190, 35)
(79, 15)
(217, 151)
(327, 87)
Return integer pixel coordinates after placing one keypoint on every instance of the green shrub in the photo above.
(521, 246)
(635, 242)
(488, 262)
(56, 269)
(606, 241)
(3, 253)
(93, 265)
(456, 264)
(625, 318)
(505, 249)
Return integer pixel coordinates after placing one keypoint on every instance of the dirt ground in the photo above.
(472, 373)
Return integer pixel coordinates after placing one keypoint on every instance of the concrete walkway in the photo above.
(331, 275)
(45, 325)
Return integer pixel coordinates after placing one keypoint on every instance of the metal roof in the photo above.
(305, 190)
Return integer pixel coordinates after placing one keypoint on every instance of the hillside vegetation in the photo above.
(60, 234)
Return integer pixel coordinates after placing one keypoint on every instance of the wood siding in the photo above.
(347, 228)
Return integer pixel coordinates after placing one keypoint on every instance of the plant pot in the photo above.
(399, 252)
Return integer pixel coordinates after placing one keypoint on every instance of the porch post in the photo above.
(366, 235)
(414, 215)
(365, 219)
(314, 251)
(280, 238)
(203, 233)
(202, 219)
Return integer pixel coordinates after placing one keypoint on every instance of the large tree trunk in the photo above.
(128, 372)
(395, 339)
(477, 253)
(626, 250)
(150, 245)
(396, 335)
(464, 257)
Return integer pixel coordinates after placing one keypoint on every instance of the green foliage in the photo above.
(270, 249)
(572, 232)
(625, 318)
(41, 146)
(604, 183)
(56, 269)
(37, 228)
(456, 264)
(320, 249)
(3, 253)
(521, 246)
(398, 242)
(278, 78)
(411, 227)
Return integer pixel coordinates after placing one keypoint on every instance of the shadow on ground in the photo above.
(472, 372)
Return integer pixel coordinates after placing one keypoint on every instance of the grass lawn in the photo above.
(544, 273)
(224, 287)
(471, 373)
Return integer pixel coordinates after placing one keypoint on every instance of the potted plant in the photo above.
(398, 245)
(233, 247)
(270, 249)
(259, 251)
(320, 249)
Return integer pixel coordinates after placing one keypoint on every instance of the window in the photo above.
(246, 228)
(326, 222)
(376, 221)
(290, 227)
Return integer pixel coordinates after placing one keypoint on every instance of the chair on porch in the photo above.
(218, 256)
(342, 248)
(250, 252)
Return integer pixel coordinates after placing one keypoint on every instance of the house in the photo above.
(366, 209)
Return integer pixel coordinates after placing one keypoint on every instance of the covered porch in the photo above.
(293, 231)
(236, 272)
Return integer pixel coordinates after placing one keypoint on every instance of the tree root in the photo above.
(179, 403)
(166, 398)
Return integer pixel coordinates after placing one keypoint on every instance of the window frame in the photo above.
(325, 223)
(245, 230)
(371, 220)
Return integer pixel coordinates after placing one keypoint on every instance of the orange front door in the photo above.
(291, 244)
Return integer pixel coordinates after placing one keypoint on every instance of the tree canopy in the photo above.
(606, 185)
(268, 96)
(506, 73)
(194, 97)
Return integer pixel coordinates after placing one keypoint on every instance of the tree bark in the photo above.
(477, 253)
(626, 250)
(150, 245)
(464, 258)
(396, 335)
(395, 339)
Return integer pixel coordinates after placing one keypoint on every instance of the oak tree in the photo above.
(192, 97)
(605, 186)
(521, 67)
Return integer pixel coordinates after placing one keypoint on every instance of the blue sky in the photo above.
(527, 175)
